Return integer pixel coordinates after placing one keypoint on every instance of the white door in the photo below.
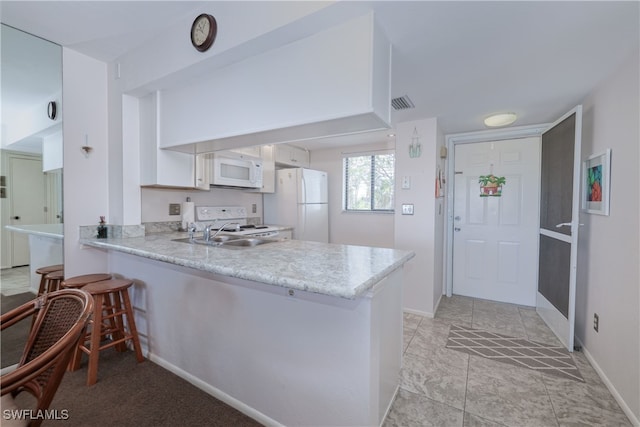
(27, 192)
(559, 222)
(495, 239)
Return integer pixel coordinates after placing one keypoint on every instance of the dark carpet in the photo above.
(13, 339)
(129, 393)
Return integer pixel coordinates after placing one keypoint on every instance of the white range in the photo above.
(233, 219)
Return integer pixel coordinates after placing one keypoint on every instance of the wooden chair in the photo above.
(61, 319)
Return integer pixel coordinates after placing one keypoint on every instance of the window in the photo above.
(368, 182)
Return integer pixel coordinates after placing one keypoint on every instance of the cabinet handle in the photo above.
(16, 217)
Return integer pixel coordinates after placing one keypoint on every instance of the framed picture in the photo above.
(596, 174)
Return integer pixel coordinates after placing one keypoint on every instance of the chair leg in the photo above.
(76, 358)
(118, 323)
(132, 325)
(96, 333)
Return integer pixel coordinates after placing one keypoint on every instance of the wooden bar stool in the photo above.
(111, 302)
(80, 281)
(43, 271)
(53, 280)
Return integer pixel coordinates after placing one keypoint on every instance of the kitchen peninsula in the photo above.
(45, 247)
(292, 332)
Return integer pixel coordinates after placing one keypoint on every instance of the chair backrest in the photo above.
(61, 320)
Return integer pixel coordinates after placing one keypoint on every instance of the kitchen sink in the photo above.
(249, 241)
(214, 241)
(230, 242)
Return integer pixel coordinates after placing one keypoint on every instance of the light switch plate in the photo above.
(407, 209)
(174, 208)
(406, 182)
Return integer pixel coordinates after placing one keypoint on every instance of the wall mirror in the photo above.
(31, 143)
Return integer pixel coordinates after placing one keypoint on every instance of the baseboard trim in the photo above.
(215, 392)
(418, 312)
(625, 408)
(8, 369)
(393, 399)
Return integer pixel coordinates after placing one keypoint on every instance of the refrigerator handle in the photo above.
(303, 183)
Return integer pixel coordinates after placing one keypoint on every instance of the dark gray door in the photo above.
(559, 222)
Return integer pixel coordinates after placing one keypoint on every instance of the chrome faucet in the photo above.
(207, 231)
(191, 229)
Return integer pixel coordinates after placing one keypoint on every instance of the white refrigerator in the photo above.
(301, 201)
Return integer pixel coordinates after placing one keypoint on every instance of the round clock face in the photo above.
(203, 32)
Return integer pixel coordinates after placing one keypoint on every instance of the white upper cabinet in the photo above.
(288, 155)
(165, 168)
(334, 82)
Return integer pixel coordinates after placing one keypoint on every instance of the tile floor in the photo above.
(444, 387)
(14, 280)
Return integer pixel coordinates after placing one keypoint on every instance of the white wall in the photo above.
(423, 231)
(169, 61)
(85, 188)
(608, 251)
(367, 229)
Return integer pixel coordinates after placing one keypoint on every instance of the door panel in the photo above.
(27, 187)
(557, 175)
(559, 222)
(495, 238)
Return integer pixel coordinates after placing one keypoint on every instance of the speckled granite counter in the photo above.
(54, 231)
(45, 247)
(290, 333)
(328, 269)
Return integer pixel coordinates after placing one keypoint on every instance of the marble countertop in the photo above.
(46, 230)
(330, 269)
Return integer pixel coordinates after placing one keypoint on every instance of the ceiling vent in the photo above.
(402, 103)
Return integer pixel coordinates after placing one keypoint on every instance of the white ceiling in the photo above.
(458, 61)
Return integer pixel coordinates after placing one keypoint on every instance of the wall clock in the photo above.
(203, 32)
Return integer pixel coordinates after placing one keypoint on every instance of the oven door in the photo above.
(236, 172)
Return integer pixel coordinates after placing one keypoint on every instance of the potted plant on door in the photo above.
(491, 185)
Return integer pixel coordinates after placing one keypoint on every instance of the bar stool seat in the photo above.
(52, 281)
(43, 271)
(111, 302)
(80, 281)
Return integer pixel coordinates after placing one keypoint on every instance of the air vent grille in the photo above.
(402, 103)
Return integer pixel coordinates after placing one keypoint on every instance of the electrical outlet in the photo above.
(596, 322)
(254, 208)
(407, 209)
(174, 208)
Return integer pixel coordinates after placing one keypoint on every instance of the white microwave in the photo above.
(231, 169)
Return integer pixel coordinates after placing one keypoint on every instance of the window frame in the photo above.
(345, 182)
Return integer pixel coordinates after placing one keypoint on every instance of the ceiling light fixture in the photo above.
(502, 119)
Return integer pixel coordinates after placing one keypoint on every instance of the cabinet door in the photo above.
(268, 169)
(288, 155)
(300, 157)
(201, 172)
